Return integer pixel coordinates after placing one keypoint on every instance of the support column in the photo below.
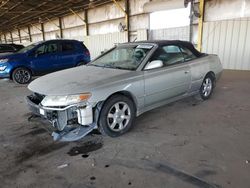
(200, 24)
(191, 17)
(127, 9)
(86, 22)
(60, 27)
(29, 34)
(5, 39)
(11, 37)
(19, 34)
(42, 29)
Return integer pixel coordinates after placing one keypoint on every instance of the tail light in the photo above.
(87, 53)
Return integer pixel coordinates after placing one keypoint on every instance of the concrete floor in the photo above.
(189, 143)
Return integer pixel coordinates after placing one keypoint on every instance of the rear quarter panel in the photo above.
(200, 67)
(82, 53)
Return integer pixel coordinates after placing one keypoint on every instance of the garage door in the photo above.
(230, 39)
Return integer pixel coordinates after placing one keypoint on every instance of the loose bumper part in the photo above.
(71, 124)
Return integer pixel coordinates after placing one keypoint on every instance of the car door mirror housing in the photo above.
(154, 64)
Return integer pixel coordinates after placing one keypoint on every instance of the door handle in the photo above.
(186, 72)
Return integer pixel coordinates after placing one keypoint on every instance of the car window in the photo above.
(83, 46)
(171, 49)
(47, 49)
(169, 55)
(68, 46)
(123, 57)
(188, 54)
(28, 48)
(6, 48)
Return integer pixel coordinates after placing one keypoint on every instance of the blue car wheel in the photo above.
(21, 75)
(80, 63)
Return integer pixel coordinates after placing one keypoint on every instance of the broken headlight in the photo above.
(50, 101)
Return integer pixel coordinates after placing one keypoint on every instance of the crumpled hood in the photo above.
(76, 80)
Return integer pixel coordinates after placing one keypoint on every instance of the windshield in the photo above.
(27, 48)
(123, 57)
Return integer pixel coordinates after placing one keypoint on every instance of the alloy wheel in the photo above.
(207, 87)
(118, 116)
(22, 76)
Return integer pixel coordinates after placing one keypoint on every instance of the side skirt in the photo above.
(162, 103)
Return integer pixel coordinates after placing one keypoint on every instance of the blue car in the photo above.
(42, 58)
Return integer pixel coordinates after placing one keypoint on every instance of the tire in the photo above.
(80, 64)
(207, 87)
(21, 75)
(117, 116)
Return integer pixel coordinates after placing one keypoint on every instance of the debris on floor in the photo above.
(63, 166)
(85, 148)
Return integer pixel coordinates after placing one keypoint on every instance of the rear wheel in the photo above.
(117, 116)
(21, 75)
(207, 87)
(80, 63)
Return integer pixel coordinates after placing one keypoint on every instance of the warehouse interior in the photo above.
(101, 24)
(190, 143)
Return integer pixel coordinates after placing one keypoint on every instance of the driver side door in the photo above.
(170, 81)
(45, 58)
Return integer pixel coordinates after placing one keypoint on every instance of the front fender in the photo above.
(135, 87)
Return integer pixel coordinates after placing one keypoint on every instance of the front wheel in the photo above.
(207, 87)
(21, 75)
(117, 116)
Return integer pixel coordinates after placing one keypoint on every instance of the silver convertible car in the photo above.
(126, 81)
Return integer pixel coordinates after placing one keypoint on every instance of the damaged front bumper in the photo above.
(70, 123)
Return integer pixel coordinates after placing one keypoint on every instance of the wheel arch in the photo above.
(127, 94)
(80, 61)
(21, 66)
(99, 109)
(99, 106)
(212, 74)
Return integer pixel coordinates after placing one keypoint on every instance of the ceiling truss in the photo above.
(16, 14)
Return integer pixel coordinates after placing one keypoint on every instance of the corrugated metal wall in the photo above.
(142, 35)
(230, 40)
(179, 33)
(98, 43)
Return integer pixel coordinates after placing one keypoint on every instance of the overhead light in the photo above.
(40, 20)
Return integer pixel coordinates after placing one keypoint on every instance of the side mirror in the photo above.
(154, 64)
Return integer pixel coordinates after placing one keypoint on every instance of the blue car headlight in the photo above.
(4, 60)
(2, 68)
